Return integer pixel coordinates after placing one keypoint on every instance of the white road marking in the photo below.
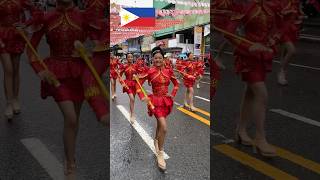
(205, 99)
(296, 116)
(225, 139)
(204, 82)
(302, 66)
(309, 37)
(144, 135)
(46, 159)
(291, 64)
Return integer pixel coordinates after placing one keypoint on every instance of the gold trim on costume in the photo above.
(92, 92)
(65, 20)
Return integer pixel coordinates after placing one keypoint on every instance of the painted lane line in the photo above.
(309, 37)
(201, 119)
(144, 135)
(296, 116)
(205, 99)
(299, 160)
(254, 163)
(282, 153)
(201, 111)
(45, 158)
(291, 64)
(302, 66)
(205, 82)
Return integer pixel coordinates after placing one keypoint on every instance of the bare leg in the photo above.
(290, 50)
(8, 83)
(77, 107)
(245, 116)
(16, 82)
(259, 107)
(156, 143)
(259, 114)
(131, 97)
(162, 131)
(218, 57)
(287, 53)
(113, 88)
(198, 81)
(186, 96)
(71, 112)
(16, 75)
(191, 98)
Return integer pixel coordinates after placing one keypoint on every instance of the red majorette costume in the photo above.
(224, 12)
(179, 64)
(259, 20)
(168, 63)
(95, 13)
(129, 70)
(96, 9)
(160, 78)
(114, 66)
(200, 67)
(142, 67)
(62, 28)
(190, 73)
(11, 13)
(291, 19)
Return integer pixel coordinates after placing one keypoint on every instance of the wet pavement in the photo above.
(292, 123)
(41, 121)
(187, 143)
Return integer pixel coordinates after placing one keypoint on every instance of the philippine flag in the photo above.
(137, 17)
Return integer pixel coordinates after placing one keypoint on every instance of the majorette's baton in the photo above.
(56, 83)
(83, 54)
(122, 81)
(143, 91)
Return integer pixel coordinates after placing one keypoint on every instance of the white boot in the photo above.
(8, 113)
(282, 78)
(161, 161)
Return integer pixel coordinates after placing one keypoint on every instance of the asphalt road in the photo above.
(292, 123)
(187, 142)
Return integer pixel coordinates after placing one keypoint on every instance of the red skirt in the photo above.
(113, 74)
(132, 87)
(12, 40)
(201, 71)
(99, 60)
(163, 106)
(252, 69)
(68, 72)
(188, 82)
(290, 35)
